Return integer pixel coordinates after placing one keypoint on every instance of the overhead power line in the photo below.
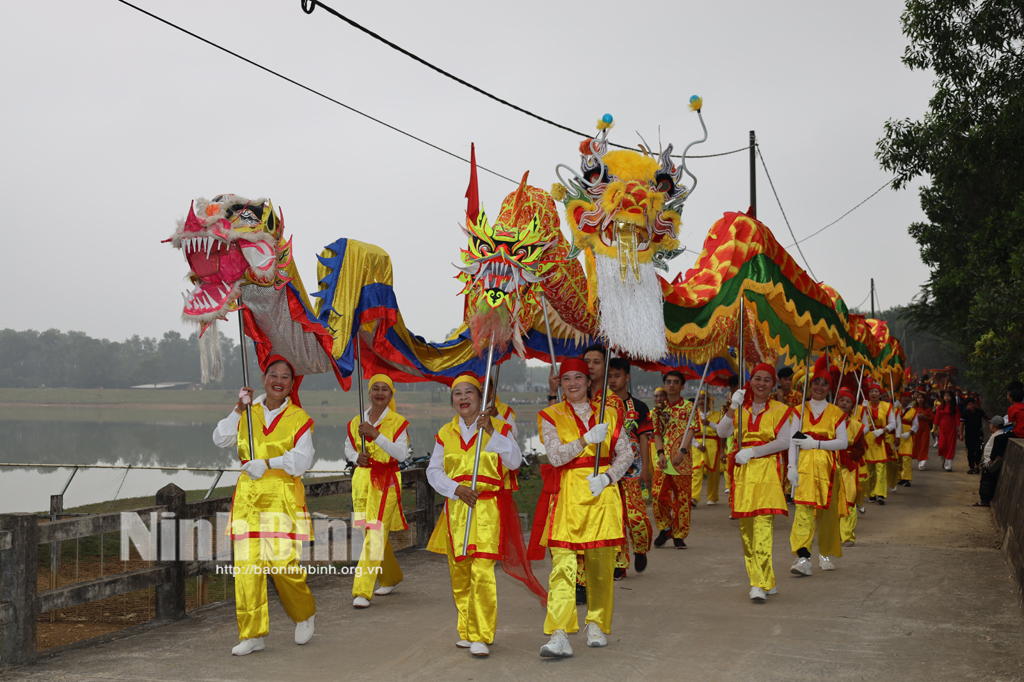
(779, 202)
(309, 5)
(314, 91)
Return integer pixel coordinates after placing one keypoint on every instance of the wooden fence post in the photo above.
(424, 501)
(19, 565)
(56, 509)
(170, 596)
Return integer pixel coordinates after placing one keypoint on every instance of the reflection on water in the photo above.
(155, 444)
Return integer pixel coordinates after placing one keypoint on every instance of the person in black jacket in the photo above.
(992, 461)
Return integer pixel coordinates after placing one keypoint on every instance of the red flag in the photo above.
(472, 192)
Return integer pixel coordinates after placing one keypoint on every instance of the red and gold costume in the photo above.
(818, 494)
(635, 522)
(377, 501)
(756, 494)
(671, 487)
(569, 518)
(495, 532)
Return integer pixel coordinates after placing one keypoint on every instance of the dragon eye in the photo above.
(484, 248)
(665, 183)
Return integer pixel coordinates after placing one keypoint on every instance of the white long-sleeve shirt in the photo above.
(397, 449)
(295, 461)
(890, 425)
(505, 447)
(559, 453)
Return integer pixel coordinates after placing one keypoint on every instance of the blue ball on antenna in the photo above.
(607, 118)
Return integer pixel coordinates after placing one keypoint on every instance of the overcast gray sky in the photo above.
(113, 122)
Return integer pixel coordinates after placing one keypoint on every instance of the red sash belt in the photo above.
(384, 475)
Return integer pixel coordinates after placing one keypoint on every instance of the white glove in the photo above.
(807, 443)
(255, 468)
(744, 456)
(737, 399)
(596, 434)
(598, 483)
(794, 477)
(905, 436)
(877, 433)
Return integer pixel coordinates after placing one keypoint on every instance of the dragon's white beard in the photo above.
(632, 313)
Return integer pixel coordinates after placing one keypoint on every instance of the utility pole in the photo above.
(872, 298)
(753, 176)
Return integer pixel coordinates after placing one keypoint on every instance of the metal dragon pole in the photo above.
(739, 356)
(551, 341)
(359, 377)
(604, 401)
(479, 442)
(245, 371)
(704, 376)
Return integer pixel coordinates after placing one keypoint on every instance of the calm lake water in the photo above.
(150, 444)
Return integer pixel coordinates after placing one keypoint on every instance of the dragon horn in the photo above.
(519, 200)
(473, 191)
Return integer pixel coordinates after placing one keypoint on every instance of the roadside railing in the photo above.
(22, 534)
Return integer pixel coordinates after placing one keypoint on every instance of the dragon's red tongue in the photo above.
(224, 266)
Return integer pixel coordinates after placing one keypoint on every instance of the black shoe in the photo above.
(678, 542)
(581, 594)
(880, 500)
(661, 539)
(907, 484)
(873, 498)
(972, 471)
(639, 562)
(901, 482)
(620, 573)
(789, 499)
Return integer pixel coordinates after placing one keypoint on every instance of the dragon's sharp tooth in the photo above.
(209, 246)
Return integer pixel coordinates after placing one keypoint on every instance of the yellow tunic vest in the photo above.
(906, 446)
(276, 492)
(492, 476)
(757, 485)
(879, 417)
(817, 468)
(372, 484)
(708, 437)
(575, 518)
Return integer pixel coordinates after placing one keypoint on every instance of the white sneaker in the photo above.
(463, 644)
(862, 510)
(825, 563)
(801, 567)
(304, 631)
(774, 590)
(948, 465)
(594, 635)
(711, 503)
(557, 646)
(360, 602)
(381, 591)
(757, 594)
(920, 465)
(479, 649)
(892, 490)
(247, 646)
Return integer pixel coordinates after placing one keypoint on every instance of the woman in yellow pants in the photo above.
(581, 510)
(268, 511)
(495, 531)
(758, 472)
(377, 489)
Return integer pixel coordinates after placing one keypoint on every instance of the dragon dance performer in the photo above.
(672, 484)
(495, 533)
(819, 491)
(705, 450)
(579, 510)
(784, 392)
(910, 425)
(377, 488)
(637, 427)
(849, 460)
(268, 492)
(879, 418)
(757, 472)
(925, 420)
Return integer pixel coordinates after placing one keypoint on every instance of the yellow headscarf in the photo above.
(384, 379)
(467, 379)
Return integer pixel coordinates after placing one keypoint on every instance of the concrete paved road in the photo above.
(924, 595)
